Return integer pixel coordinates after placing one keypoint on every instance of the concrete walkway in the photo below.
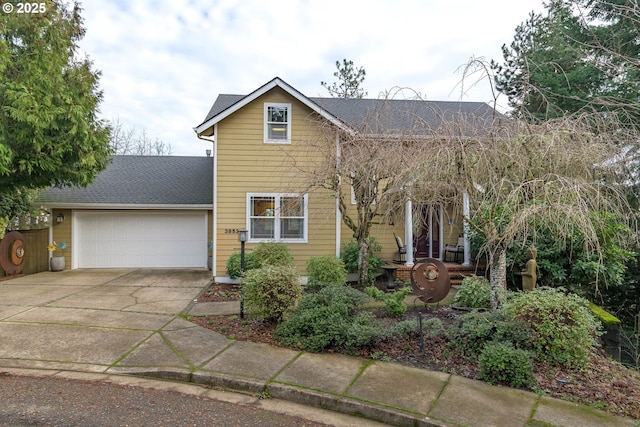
(131, 322)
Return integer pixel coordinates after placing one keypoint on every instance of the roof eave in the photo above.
(276, 82)
(128, 206)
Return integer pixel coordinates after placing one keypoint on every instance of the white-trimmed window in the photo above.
(277, 123)
(277, 217)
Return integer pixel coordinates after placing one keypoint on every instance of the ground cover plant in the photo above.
(325, 270)
(484, 345)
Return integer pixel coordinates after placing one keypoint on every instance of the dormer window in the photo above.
(277, 123)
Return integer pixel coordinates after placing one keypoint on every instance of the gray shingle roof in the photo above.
(393, 114)
(142, 180)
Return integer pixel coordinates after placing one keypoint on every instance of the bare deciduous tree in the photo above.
(515, 175)
(363, 164)
(518, 175)
(125, 141)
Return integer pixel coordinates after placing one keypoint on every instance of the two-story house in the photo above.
(171, 211)
(256, 187)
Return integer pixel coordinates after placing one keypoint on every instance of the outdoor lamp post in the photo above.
(242, 236)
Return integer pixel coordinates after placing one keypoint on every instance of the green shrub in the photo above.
(404, 328)
(471, 332)
(271, 291)
(351, 253)
(515, 332)
(473, 292)
(501, 363)
(345, 300)
(430, 328)
(325, 270)
(565, 330)
(272, 254)
(393, 301)
(233, 264)
(328, 319)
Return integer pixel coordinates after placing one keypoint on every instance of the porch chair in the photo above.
(402, 250)
(455, 250)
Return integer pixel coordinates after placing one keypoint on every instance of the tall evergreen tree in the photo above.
(349, 81)
(546, 72)
(580, 55)
(613, 41)
(49, 130)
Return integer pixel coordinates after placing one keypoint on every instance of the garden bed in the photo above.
(604, 384)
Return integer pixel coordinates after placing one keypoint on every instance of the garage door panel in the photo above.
(149, 239)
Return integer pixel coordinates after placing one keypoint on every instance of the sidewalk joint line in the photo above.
(176, 351)
(222, 350)
(285, 366)
(363, 367)
(435, 401)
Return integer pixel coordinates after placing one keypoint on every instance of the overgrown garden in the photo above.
(530, 334)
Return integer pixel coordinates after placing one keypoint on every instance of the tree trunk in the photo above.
(497, 274)
(363, 261)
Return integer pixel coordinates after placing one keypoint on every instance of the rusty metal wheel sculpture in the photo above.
(12, 253)
(430, 280)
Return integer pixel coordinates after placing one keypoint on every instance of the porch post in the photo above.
(408, 232)
(430, 234)
(440, 233)
(465, 225)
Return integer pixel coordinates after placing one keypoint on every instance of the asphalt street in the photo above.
(49, 401)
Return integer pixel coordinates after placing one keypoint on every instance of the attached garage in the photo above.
(140, 212)
(140, 239)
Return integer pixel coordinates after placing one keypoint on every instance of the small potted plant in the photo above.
(57, 263)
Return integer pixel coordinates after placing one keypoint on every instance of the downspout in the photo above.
(214, 236)
(338, 214)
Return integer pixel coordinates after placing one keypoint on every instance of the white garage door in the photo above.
(140, 239)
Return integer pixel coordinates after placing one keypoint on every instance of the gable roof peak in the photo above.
(231, 103)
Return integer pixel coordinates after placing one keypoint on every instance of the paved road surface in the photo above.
(47, 401)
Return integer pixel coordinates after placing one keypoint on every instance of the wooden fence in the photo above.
(36, 255)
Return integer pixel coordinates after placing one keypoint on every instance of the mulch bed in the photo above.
(605, 384)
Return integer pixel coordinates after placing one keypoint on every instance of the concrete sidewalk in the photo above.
(129, 322)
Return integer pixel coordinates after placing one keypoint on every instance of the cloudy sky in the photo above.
(164, 62)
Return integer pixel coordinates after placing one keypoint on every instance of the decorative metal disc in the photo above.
(12, 253)
(430, 280)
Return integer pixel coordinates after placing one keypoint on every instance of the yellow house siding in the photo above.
(61, 232)
(246, 164)
(383, 233)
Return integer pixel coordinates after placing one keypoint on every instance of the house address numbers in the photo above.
(231, 230)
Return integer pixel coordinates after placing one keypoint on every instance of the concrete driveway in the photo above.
(91, 320)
